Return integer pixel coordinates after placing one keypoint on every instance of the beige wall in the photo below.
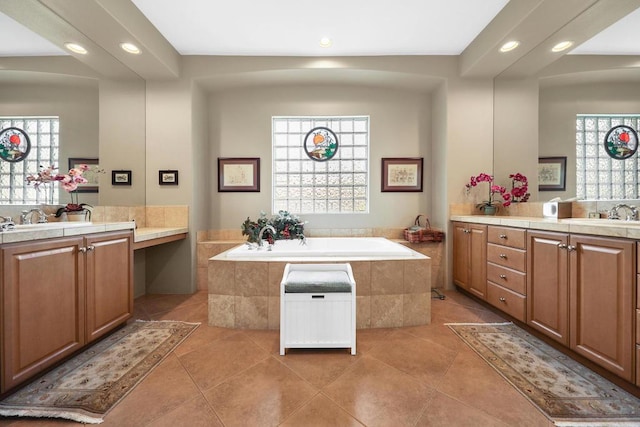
(400, 126)
(122, 140)
(515, 142)
(558, 108)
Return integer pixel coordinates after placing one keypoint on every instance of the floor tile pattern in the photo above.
(411, 376)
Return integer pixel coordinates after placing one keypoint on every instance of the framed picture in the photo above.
(402, 174)
(238, 174)
(552, 173)
(92, 175)
(120, 177)
(168, 177)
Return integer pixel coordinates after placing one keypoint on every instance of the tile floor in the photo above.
(412, 376)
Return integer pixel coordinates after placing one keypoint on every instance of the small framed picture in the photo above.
(402, 174)
(168, 177)
(238, 174)
(552, 173)
(120, 177)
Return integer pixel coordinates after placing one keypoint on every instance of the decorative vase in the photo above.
(489, 210)
(83, 215)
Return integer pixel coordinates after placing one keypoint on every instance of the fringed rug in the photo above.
(87, 386)
(566, 391)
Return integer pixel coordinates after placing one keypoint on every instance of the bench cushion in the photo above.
(299, 281)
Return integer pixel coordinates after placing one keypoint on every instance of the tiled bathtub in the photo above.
(392, 290)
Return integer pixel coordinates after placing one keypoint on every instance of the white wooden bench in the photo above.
(317, 307)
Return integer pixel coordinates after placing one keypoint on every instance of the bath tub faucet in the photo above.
(632, 212)
(262, 230)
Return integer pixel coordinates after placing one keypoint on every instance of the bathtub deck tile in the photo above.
(363, 312)
(387, 277)
(386, 311)
(251, 279)
(416, 309)
(362, 276)
(251, 312)
(222, 277)
(417, 276)
(222, 311)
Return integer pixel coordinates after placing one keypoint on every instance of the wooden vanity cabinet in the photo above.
(506, 270)
(601, 301)
(548, 284)
(580, 292)
(57, 296)
(43, 296)
(109, 291)
(470, 257)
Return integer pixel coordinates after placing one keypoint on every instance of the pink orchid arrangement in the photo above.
(519, 187)
(69, 182)
(494, 191)
(519, 190)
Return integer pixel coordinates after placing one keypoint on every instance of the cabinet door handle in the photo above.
(467, 231)
(503, 276)
(571, 248)
(503, 256)
(82, 249)
(562, 246)
(503, 236)
(502, 299)
(90, 248)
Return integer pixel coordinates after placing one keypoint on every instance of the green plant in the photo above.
(287, 226)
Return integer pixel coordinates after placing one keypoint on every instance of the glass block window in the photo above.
(44, 135)
(598, 176)
(305, 186)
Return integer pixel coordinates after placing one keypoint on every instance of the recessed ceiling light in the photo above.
(562, 46)
(509, 46)
(76, 48)
(130, 48)
(325, 42)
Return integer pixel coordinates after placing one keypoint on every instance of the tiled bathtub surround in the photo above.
(388, 293)
(214, 242)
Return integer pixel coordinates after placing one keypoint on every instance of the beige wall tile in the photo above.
(176, 216)
(317, 232)
(362, 276)
(98, 214)
(274, 312)
(276, 269)
(252, 278)
(363, 312)
(416, 309)
(417, 276)
(116, 213)
(139, 214)
(251, 312)
(202, 279)
(155, 216)
(222, 277)
(340, 232)
(386, 311)
(362, 232)
(221, 311)
(387, 277)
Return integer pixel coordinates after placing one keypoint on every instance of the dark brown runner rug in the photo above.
(87, 386)
(566, 391)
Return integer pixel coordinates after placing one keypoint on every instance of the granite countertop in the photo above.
(49, 230)
(594, 226)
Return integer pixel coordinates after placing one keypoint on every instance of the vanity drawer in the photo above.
(508, 301)
(507, 257)
(513, 237)
(508, 278)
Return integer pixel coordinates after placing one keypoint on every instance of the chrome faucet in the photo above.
(7, 223)
(632, 212)
(262, 230)
(26, 217)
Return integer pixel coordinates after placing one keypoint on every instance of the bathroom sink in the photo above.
(51, 225)
(602, 222)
